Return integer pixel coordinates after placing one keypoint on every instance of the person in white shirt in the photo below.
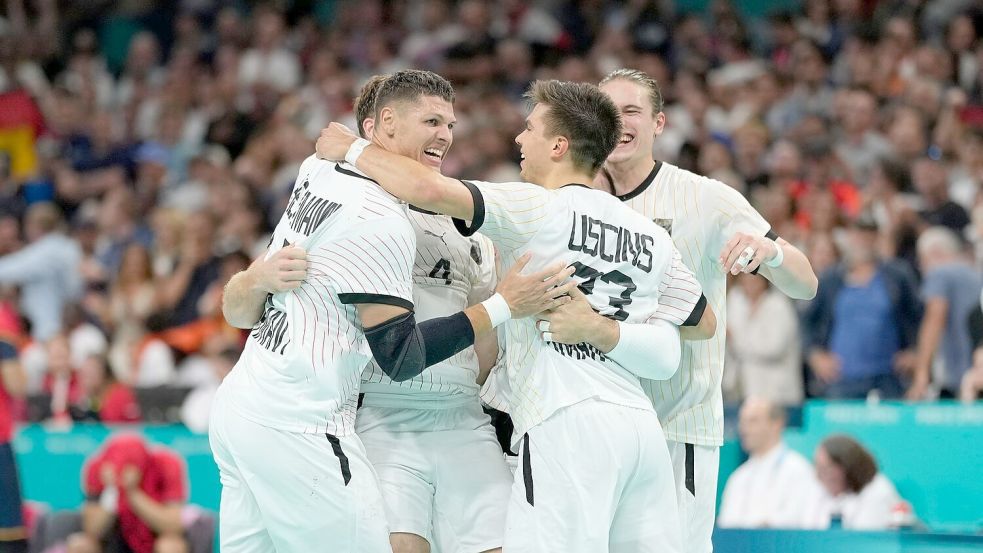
(717, 231)
(764, 348)
(767, 490)
(853, 491)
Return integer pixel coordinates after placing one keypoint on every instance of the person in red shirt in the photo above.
(13, 383)
(103, 398)
(134, 497)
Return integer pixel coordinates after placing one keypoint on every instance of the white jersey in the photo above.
(701, 215)
(450, 272)
(302, 364)
(627, 267)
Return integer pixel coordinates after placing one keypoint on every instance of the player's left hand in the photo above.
(571, 323)
(130, 477)
(334, 142)
(744, 253)
(530, 294)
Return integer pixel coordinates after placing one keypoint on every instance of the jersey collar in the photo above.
(645, 183)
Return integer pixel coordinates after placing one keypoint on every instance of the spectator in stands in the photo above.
(771, 489)
(197, 267)
(102, 398)
(863, 319)
(951, 292)
(132, 299)
(46, 269)
(13, 384)
(860, 145)
(60, 379)
(764, 342)
(854, 492)
(135, 494)
(929, 177)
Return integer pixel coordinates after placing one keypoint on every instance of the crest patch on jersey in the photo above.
(475, 252)
(664, 223)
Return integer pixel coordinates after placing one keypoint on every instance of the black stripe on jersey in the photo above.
(351, 298)
(421, 210)
(344, 171)
(479, 212)
(645, 183)
(771, 235)
(346, 471)
(576, 185)
(697, 313)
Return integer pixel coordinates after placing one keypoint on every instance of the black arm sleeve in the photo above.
(404, 348)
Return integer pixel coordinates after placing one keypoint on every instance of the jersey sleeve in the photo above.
(734, 214)
(681, 299)
(484, 279)
(371, 263)
(510, 213)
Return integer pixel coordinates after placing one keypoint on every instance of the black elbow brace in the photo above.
(403, 348)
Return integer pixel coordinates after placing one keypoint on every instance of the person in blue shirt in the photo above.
(863, 322)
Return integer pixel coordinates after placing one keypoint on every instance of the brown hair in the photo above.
(642, 79)
(365, 101)
(857, 463)
(410, 85)
(583, 115)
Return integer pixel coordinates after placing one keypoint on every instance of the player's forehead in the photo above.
(624, 92)
(537, 114)
(433, 106)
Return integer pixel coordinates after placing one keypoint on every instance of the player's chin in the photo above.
(430, 161)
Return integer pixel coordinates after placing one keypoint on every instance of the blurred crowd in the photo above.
(147, 148)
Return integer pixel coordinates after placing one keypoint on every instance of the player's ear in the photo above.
(560, 147)
(386, 122)
(660, 123)
(368, 125)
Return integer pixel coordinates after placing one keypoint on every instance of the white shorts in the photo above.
(695, 468)
(450, 487)
(286, 492)
(592, 478)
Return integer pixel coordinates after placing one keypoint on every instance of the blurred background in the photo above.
(147, 148)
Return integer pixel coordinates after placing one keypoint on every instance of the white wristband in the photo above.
(355, 150)
(498, 309)
(776, 261)
(109, 499)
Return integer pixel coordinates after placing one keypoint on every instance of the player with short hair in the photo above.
(716, 230)
(294, 473)
(441, 471)
(593, 472)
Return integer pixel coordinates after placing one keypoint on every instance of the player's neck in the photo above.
(628, 175)
(562, 176)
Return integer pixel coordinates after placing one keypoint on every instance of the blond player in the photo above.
(594, 467)
(717, 231)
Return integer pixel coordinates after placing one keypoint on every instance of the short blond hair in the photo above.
(642, 79)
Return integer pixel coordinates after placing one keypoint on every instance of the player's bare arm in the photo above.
(401, 176)
(403, 348)
(246, 291)
(703, 330)
(792, 273)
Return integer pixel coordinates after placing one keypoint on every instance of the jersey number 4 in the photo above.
(442, 270)
(614, 277)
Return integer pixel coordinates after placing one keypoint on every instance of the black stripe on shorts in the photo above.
(527, 468)
(346, 471)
